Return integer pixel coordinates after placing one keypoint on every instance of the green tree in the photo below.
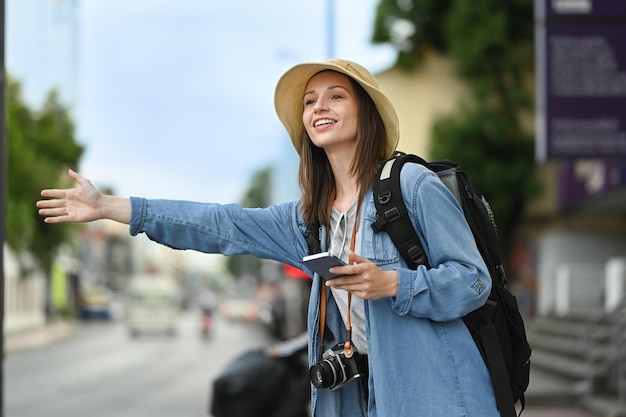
(257, 195)
(491, 42)
(40, 146)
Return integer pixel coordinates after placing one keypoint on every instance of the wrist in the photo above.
(393, 282)
(115, 208)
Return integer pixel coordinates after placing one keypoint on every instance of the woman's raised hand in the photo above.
(83, 203)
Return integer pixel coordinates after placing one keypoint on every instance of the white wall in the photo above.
(24, 298)
(571, 248)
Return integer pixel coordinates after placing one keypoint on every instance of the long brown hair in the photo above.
(315, 174)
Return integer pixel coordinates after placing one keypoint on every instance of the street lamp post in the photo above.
(3, 175)
(330, 28)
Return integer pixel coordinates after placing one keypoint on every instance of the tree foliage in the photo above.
(40, 146)
(257, 195)
(412, 27)
(491, 42)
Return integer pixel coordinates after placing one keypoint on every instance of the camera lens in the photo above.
(323, 375)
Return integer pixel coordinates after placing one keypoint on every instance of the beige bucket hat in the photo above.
(290, 92)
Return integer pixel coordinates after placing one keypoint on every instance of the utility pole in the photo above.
(330, 29)
(3, 191)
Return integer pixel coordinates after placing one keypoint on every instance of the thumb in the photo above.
(77, 178)
(74, 175)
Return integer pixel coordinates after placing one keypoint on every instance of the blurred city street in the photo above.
(531, 103)
(99, 369)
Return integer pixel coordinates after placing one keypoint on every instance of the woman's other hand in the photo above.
(365, 279)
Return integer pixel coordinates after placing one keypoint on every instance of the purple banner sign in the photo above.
(582, 180)
(584, 7)
(581, 73)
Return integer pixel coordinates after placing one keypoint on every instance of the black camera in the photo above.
(335, 370)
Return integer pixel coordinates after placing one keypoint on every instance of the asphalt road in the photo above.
(100, 371)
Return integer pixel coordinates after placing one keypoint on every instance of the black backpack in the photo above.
(497, 327)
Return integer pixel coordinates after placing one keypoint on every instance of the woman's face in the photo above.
(330, 114)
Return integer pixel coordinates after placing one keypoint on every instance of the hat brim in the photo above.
(288, 98)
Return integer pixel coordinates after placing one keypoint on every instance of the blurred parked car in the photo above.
(95, 302)
(153, 304)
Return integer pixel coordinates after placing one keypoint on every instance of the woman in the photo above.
(414, 355)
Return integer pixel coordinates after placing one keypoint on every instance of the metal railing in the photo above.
(606, 354)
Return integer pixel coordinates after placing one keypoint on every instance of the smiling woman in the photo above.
(364, 324)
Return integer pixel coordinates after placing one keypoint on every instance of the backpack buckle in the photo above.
(388, 217)
(392, 214)
(384, 198)
(417, 255)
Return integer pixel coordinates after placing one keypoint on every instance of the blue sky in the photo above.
(175, 98)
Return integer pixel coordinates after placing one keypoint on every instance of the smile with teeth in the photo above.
(322, 122)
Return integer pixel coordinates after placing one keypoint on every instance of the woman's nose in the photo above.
(320, 105)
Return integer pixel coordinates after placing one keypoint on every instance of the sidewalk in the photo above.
(551, 396)
(41, 336)
(556, 412)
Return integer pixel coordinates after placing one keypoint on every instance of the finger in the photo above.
(334, 282)
(77, 178)
(342, 270)
(57, 219)
(342, 281)
(60, 211)
(50, 203)
(53, 193)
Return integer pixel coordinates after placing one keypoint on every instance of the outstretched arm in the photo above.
(83, 203)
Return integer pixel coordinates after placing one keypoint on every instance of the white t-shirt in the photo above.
(341, 225)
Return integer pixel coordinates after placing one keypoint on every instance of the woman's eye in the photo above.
(309, 102)
(336, 97)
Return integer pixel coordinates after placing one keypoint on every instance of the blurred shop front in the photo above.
(583, 255)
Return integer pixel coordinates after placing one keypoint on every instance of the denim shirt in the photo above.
(422, 359)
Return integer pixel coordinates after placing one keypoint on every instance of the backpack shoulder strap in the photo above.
(312, 236)
(391, 212)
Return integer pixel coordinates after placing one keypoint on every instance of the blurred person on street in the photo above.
(399, 332)
(208, 304)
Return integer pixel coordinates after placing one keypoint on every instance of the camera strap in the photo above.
(348, 350)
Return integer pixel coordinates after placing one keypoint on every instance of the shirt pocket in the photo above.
(377, 246)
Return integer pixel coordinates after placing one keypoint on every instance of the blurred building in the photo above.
(577, 220)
